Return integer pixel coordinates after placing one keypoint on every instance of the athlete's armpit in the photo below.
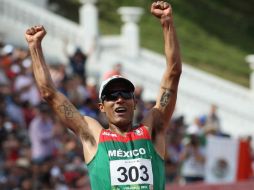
(86, 135)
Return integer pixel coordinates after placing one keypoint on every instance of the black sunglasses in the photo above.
(113, 96)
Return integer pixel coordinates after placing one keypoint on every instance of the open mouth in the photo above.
(121, 110)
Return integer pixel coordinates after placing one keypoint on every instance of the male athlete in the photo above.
(122, 156)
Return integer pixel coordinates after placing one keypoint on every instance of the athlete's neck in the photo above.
(122, 130)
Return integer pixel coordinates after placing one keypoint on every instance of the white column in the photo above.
(130, 30)
(88, 18)
(250, 60)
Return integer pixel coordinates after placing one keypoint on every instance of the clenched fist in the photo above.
(162, 10)
(35, 34)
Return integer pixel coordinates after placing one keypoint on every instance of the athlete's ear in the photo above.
(101, 107)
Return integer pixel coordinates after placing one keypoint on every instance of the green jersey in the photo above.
(127, 162)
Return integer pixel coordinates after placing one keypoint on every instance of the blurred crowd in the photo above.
(38, 152)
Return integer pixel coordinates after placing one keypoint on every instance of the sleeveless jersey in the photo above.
(127, 162)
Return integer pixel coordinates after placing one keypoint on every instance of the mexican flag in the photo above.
(227, 160)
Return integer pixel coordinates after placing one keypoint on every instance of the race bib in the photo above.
(131, 172)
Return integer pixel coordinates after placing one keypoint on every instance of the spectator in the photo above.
(116, 70)
(89, 108)
(24, 85)
(58, 73)
(43, 146)
(41, 135)
(174, 150)
(7, 60)
(213, 120)
(78, 63)
(3, 131)
(193, 159)
(3, 77)
(15, 111)
(91, 87)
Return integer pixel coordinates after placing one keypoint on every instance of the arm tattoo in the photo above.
(165, 97)
(67, 109)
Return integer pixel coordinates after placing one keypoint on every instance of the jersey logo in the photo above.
(105, 133)
(138, 132)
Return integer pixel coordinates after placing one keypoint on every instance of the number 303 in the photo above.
(133, 174)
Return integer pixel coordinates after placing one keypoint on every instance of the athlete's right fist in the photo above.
(35, 34)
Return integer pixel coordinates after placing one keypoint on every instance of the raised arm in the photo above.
(166, 100)
(158, 119)
(65, 110)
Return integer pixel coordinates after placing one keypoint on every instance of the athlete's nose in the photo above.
(119, 98)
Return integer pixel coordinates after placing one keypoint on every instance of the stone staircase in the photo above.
(17, 15)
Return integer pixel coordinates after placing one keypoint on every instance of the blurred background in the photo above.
(210, 137)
